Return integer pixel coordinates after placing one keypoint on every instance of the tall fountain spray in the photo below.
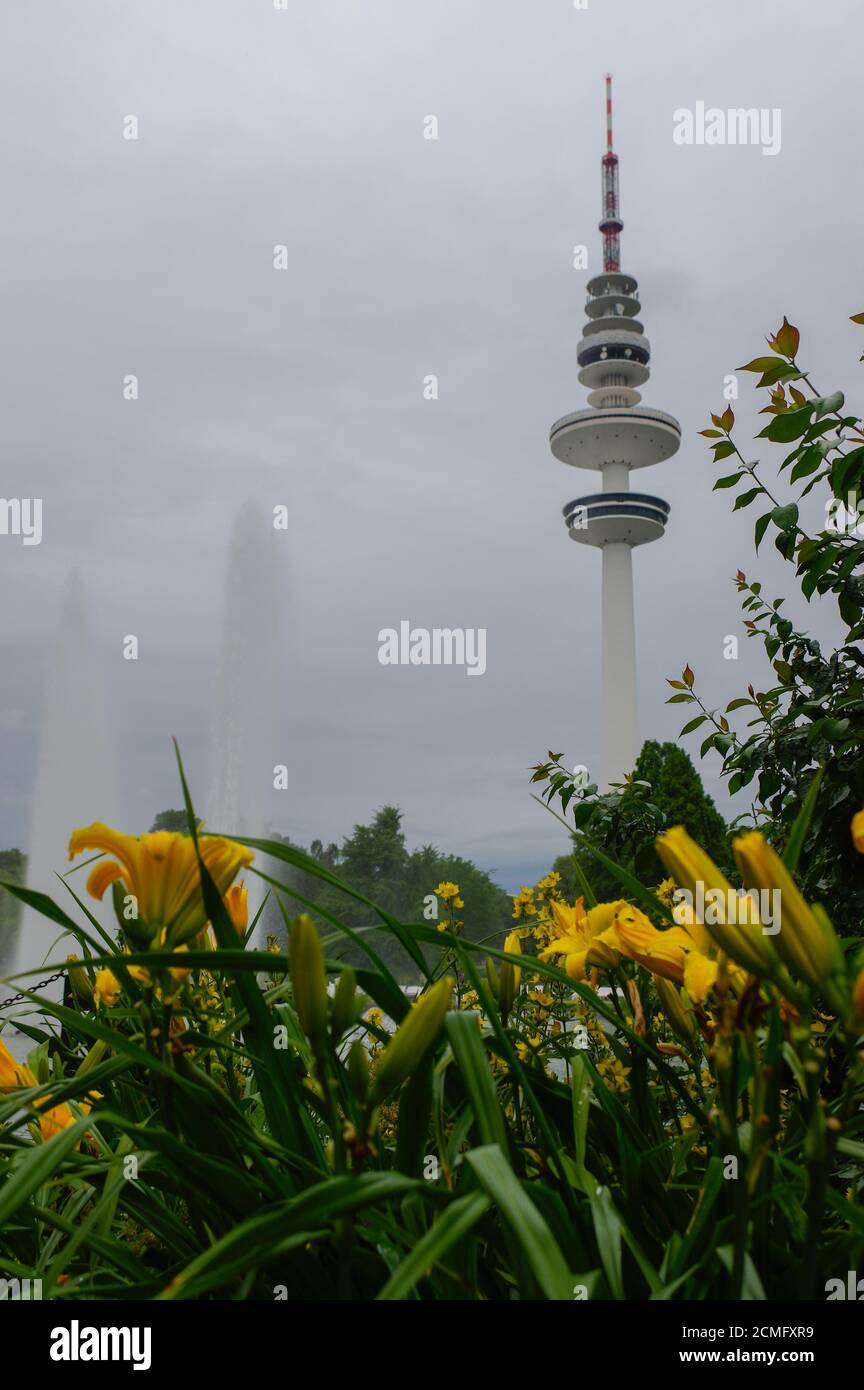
(246, 743)
(74, 779)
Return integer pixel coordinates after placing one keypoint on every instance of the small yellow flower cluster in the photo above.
(451, 898)
(666, 891)
(523, 904)
(534, 907)
(470, 1000)
(526, 1050)
(548, 888)
(614, 1073)
(449, 895)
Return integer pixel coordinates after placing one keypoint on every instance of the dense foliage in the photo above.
(375, 862)
(665, 789)
(811, 713)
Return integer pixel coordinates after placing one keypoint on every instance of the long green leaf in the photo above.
(471, 1059)
(801, 825)
(37, 1166)
(450, 1227)
(497, 1178)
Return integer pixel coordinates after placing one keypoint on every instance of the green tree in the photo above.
(171, 820)
(664, 790)
(374, 860)
(808, 721)
(677, 789)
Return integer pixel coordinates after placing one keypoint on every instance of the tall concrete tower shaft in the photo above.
(614, 435)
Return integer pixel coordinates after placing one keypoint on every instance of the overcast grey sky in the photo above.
(304, 387)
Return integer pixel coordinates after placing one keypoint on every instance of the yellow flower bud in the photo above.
(106, 990)
(509, 976)
(806, 943)
(412, 1039)
(732, 922)
(308, 977)
(80, 984)
(237, 906)
(680, 1018)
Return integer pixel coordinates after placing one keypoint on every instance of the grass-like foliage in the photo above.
(622, 1101)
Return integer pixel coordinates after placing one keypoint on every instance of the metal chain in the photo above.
(18, 998)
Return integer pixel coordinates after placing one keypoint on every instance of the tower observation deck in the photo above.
(614, 435)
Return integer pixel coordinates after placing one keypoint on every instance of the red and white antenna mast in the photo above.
(611, 224)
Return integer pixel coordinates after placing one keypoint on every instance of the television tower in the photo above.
(613, 436)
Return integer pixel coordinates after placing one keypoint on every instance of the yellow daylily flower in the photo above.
(734, 923)
(578, 937)
(700, 976)
(685, 916)
(237, 906)
(16, 1074)
(160, 870)
(672, 954)
(806, 943)
(106, 989)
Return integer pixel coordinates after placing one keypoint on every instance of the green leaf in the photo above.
(498, 1180)
(581, 1091)
(807, 464)
(760, 528)
(280, 1227)
(751, 1285)
(760, 364)
(412, 1131)
(729, 481)
(455, 1223)
(470, 1054)
(785, 518)
(791, 424)
(38, 1165)
(274, 1067)
(723, 450)
(607, 1228)
(745, 498)
(693, 724)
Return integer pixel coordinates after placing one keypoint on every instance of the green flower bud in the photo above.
(308, 977)
(412, 1039)
(94, 1056)
(343, 1011)
(358, 1070)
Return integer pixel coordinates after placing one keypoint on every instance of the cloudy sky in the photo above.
(304, 387)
